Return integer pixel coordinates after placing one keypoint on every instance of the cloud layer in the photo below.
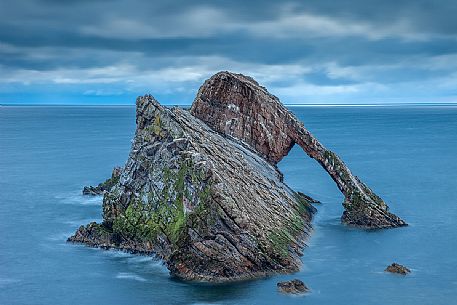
(316, 52)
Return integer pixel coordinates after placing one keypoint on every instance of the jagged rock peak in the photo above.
(237, 106)
(210, 207)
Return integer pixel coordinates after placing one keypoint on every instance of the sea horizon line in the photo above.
(285, 104)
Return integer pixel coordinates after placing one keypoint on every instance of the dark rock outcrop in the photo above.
(202, 191)
(104, 186)
(293, 287)
(397, 268)
(235, 105)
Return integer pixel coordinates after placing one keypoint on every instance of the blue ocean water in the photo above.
(406, 154)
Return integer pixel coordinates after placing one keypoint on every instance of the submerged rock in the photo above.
(202, 191)
(397, 268)
(104, 186)
(293, 287)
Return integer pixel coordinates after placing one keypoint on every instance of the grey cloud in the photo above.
(337, 49)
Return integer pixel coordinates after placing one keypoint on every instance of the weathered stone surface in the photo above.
(210, 207)
(397, 268)
(294, 287)
(237, 106)
(104, 186)
(202, 191)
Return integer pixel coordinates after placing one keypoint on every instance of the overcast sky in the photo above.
(109, 52)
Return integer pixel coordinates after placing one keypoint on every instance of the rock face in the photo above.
(211, 207)
(293, 286)
(104, 186)
(202, 191)
(397, 268)
(235, 105)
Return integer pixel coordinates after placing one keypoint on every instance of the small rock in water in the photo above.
(104, 186)
(397, 268)
(293, 286)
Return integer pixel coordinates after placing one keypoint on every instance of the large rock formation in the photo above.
(236, 105)
(211, 207)
(202, 191)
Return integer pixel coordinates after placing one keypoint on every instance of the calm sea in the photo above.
(408, 155)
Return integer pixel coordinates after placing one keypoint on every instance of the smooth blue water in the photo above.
(406, 154)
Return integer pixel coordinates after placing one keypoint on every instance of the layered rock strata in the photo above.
(237, 106)
(211, 207)
(202, 191)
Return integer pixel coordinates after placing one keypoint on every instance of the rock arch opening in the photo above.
(305, 175)
(238, 106)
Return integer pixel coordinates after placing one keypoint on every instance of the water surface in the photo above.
(406, 154)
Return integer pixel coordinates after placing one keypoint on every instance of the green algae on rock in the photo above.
(211, 207)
